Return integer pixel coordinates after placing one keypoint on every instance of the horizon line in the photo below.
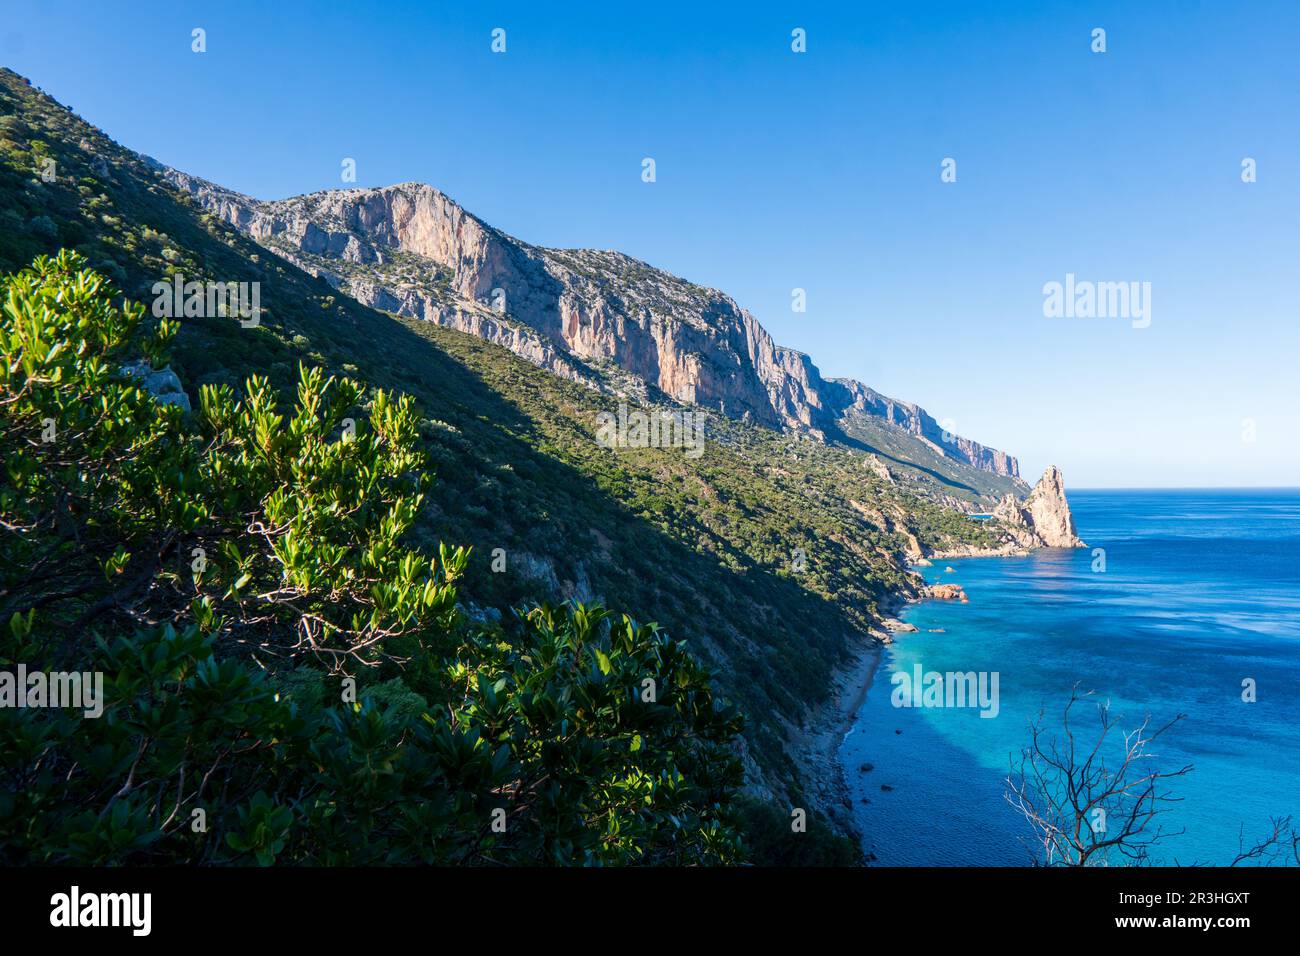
(1187, 488)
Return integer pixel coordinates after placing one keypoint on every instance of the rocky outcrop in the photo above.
(1043, 519)
(410, 249)
(163, 384)
(945, 592)
(878, 468)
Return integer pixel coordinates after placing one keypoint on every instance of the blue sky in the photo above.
(819, 171)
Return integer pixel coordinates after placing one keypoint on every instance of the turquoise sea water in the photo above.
(1201, 590)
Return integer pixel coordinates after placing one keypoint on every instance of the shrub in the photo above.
(285, 678)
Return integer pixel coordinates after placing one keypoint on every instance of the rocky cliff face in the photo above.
(854, 397)
(1043, 519)
(409, 249)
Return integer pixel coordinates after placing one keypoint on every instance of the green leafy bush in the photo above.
(285, 678)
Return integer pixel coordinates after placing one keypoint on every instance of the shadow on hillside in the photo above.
(774, 643)
(779, 641)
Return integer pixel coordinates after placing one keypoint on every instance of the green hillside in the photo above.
(933, 474)
(706, 547)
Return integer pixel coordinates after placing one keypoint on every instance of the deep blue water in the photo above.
(1201, 590)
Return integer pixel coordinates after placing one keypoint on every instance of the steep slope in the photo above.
(410, 249)
(921, 463)
(770, 555)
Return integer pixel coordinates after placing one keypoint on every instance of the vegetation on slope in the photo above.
(712, 547)
(933, 473)
(286, 678)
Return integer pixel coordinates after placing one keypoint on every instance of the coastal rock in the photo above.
(946, 592)
(1043, 519)
(895, 626)
(1049, 512)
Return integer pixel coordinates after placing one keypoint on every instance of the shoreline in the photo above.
(822, 737)
(850, 685)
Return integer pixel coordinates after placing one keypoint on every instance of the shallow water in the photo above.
(1201, 590)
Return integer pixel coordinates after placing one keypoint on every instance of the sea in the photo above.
(1185, 602)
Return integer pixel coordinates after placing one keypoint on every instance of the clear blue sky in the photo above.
(819, 171)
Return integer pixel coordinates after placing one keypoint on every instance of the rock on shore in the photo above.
(1043, 519)
(946, 592)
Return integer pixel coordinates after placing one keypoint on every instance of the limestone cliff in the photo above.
(410, 249)
(851, 396)
(1043, 519)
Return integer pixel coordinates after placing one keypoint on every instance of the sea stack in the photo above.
(1043, 519)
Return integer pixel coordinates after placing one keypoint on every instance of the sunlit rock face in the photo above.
(1043, 518)
(410, 249)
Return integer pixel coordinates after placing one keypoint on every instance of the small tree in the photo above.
(1098, 806)
(1092, 804)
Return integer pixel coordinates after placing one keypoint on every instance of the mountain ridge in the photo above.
(572, 308)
